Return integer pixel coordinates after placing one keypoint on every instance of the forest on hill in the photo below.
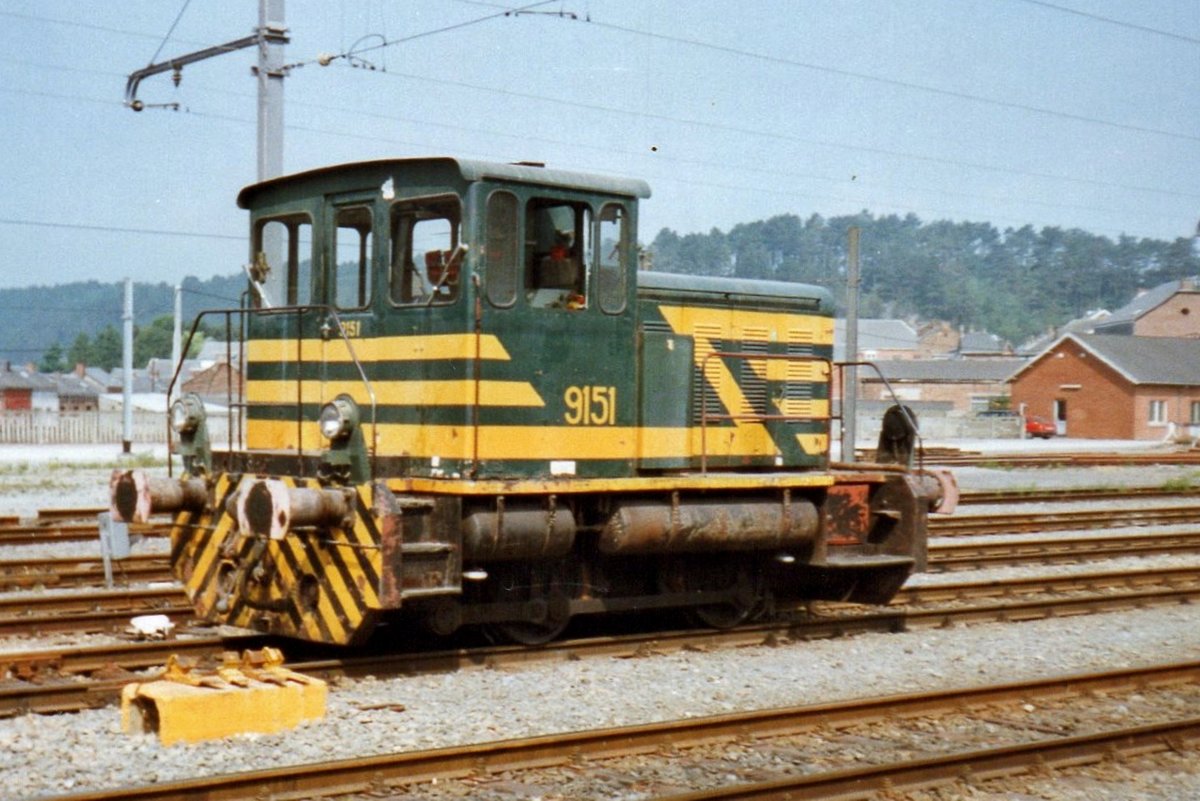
(82, 321)
(1016, 283)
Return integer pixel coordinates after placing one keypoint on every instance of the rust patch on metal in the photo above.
(847, 514)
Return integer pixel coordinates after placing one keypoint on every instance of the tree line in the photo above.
(1016, 283)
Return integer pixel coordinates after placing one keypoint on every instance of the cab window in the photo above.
(611, 266)
(281, 267)
(501, 250)
(427, 252)
(557, 253)
(352, 258)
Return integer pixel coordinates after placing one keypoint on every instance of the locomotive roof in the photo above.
(734, 287)
(466, 169)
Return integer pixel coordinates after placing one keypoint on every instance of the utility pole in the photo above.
(269, 37)
(850, 373)
(127, 370)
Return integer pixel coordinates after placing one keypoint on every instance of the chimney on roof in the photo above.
(80, 369)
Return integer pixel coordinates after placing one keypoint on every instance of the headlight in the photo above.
(186, 414)
(338, 418)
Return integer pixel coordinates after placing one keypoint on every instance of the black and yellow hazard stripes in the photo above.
(315, 584)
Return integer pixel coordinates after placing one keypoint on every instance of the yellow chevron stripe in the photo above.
(429, 347)
(458, 392)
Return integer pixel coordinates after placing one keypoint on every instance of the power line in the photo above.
(862, 76)
(325, 60)
(170, 31)
(84, 25)
(1111, 21)
(716, 126)
(118, 230)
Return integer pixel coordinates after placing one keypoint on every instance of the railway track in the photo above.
(980, 497)
(386, 774)
(952, 458)
(84, 571)
(72, 678)
(1025, 522)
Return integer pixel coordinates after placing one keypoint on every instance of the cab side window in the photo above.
(612, 267)
(557, 253)
(501, 249)
(427, 252)
(351, 278)
(282, 263)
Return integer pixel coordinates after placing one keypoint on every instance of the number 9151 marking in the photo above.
(590, 406)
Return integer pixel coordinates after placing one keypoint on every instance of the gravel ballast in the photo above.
(50, 755)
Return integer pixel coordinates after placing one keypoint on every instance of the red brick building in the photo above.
(1171, 309)
(1105, 386)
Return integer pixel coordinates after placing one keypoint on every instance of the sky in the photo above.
(1073, 113)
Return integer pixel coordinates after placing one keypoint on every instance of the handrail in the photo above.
(244, 313)
(757, 417)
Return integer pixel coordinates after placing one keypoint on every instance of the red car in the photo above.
(1040, 427)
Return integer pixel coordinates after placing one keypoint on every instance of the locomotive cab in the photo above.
(464, 404)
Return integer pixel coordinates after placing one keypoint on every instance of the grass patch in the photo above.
(1181, 483)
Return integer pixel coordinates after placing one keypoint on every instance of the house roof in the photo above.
(1081, 325)
(26, 379)
(1147, 301)
(1172, 361)
(72, 385)
(946, 370)
(875, 335)
(980, 342)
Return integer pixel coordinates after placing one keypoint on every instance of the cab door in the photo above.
(557, 304)
(346, 284)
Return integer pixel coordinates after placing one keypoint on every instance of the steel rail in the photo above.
(951, 458)
(961, 590)
(1023, 522)
(978, 765)
(1070, 495)
(375, 773)
(68, 532)
(841, 621)
(945, 556)
(71, 571)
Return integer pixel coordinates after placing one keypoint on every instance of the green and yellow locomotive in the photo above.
(464, 404)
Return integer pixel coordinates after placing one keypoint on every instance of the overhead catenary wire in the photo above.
(1119, 23)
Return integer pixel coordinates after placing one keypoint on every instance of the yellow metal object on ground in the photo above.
(253, 694)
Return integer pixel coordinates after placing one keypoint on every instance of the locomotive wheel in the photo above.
(543, 586)
(737, 577)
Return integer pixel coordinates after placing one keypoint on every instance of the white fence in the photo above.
(70, 428)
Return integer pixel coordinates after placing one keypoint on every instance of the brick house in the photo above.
(218, 383)
(1171, 309)
(1106, 386)
(16, 390)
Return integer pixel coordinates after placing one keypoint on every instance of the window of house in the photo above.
(611, 266)
(557, 253)
(351, 278)
(501, 250)
(1195, 416)
(427, 252)
(1158, 411)
(282, 263)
